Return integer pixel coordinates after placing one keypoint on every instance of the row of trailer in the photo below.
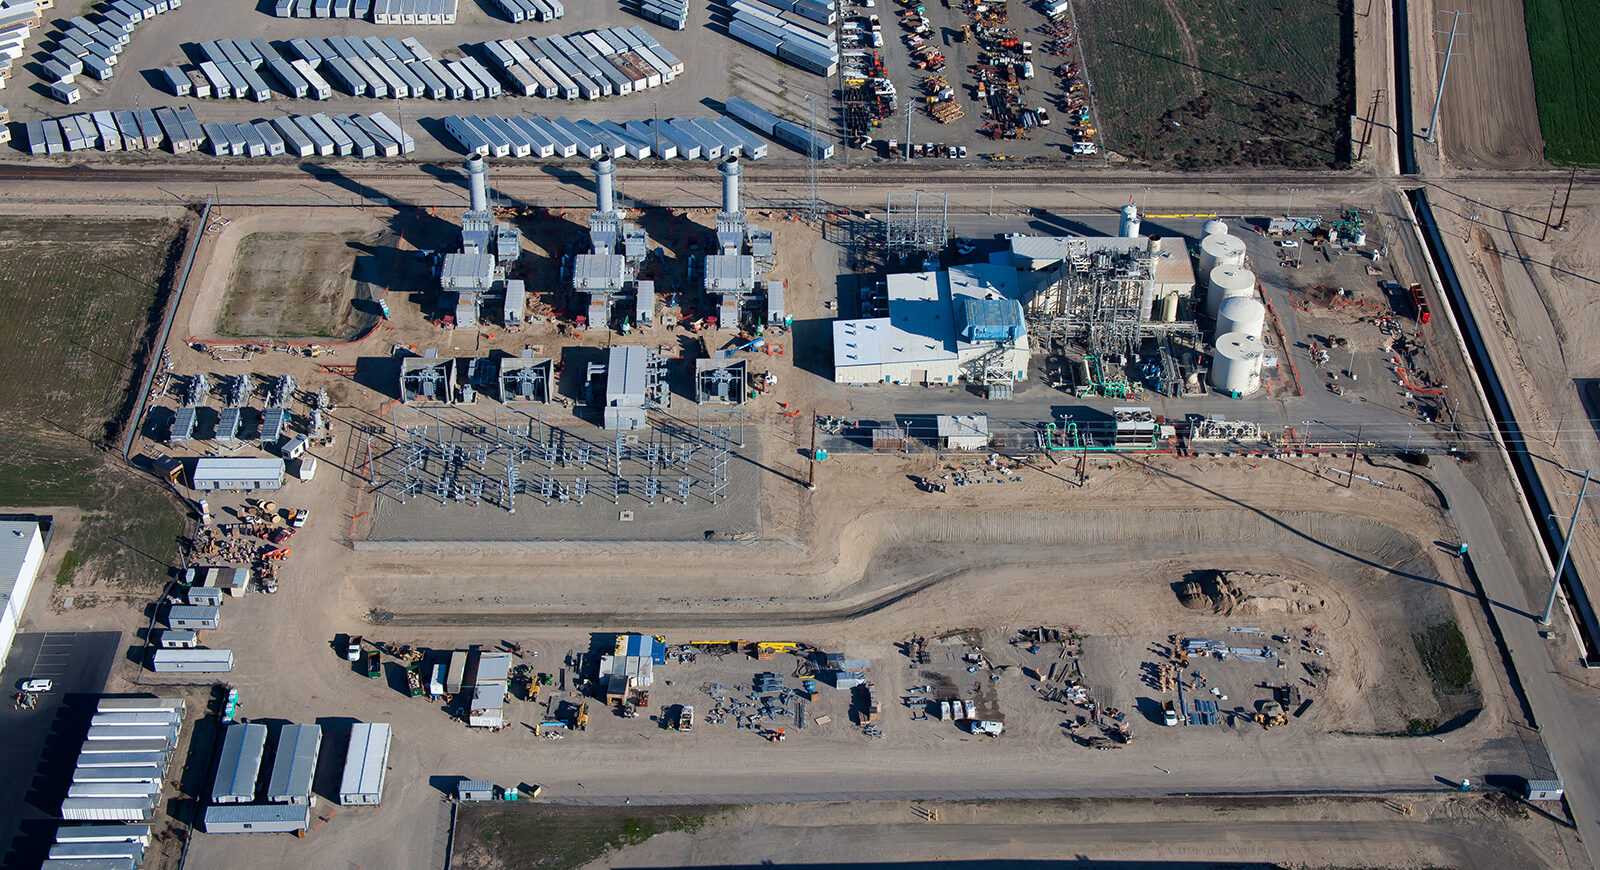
(667, 13)
(538, 137)
(91, 47)
(778, 31)
(18, 20)
(518, 11)
(587, 66)
(376, 67)
(179, 131)
(789, 133)
(116, 784)
(377, 11)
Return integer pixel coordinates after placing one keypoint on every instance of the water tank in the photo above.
(1169, 308)
(1243, 315)
(1226, 283)
(1219, 250)
(1129, 228)
(1236, 365)
(1214, 227)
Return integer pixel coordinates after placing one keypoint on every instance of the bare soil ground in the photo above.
(292, 285)
(1489, 119)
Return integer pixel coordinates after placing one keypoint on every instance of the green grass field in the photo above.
(78, 304)
(563, 838)
(1198, 83)
(1564, 44)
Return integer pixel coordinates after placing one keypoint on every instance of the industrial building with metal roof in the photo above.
(925, 339)
(21, 555)
(294, 764)
(240, 764)
(365, 765)
(257, 818)
(238, 473)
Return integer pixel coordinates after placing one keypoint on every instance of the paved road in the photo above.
(1564, 713)
(41, 745)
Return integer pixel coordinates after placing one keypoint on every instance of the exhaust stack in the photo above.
(605, 197)
(731, 170)
(478, 179)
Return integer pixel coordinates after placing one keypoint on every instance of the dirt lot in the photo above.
(1489, 119)
(1199, 84)
(1445, 831)
(291, 285)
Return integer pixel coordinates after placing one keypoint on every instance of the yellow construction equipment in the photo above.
(580, 721)
(1271, 714)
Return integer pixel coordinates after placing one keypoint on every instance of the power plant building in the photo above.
(963, 324)
(475, 275)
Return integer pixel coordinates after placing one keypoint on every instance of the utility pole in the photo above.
(811, 458)
(1449, 52)
(814, 207)
(1566, 546)
(1372, 119)
(1549, 214)
(1351, 480)
(1562, 224)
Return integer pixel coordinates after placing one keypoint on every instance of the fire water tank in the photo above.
(1220, 250)
(1214, 227)
(1129, 228)
(1226, 283)
(1236, 365)
(1241, 314)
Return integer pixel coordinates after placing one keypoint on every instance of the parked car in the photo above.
(36, 685)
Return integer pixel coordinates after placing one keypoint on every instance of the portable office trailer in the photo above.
(567, 143)
(120, 773)
(131, 718)
(395, 131)
(319, 137)
(104, 834)
(144, 788)
(97, 67)
(294, 84)
(190, 616)
(275, 148)
(110, 139)
(710, 147)
(107, 809)
(199, 85)
(192, 661)
(37, 143)
(123, 744)
(345, 76)
(432, 86)
(294, 764)
(365, 765)
(520, 146)
(141, 758)
(316, 86)
(172, 128)
(491, 86)
(239, 765)
(380, 48)
(511, 10)
(414, 84)
(397, 85)
(387, 146)
(343, 145)
(662, 68)
(52, 138)
(559, 146)
(225, 51)
(750, 145)
(469, 79)
(254, 146)
(468, 136)
(121, 705)
(237, 86)
(688, 149)
(295, 142)
(452, 84)
(361, 145)
(257, 819)
(816, 61)
(176, 80)
(305, 50)
(377, 85)
(499, 145)
(93, 856)
(710, 132)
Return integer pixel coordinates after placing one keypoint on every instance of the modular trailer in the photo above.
(295, 764)
(239, 766)
(193, 661)
(366, 765)
(257, 818)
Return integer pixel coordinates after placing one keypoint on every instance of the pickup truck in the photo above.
(686, 718)
(1169, 713)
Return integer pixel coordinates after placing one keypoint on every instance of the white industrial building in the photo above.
(21, 555)
(366, 765)
(962, 324)
(237, 473)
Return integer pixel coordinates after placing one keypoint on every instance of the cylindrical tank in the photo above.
(731, 170)
(1220, 250)
(1169, 308)
(1359, 237)
(605, 196)
(1130, 222)
(1236, 364)
(1241, 314)
(1227, 282)
(1214, 227)
(478, 182)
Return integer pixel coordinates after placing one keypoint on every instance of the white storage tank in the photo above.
(1226, 283)
(1214, 227)
(1129, 227)
(1236, 365)
(1220, 250)
(1241, 314)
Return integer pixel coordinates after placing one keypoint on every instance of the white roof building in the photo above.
(21, 555)
(922, 341)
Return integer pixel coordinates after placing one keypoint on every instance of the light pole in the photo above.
(1566, 547)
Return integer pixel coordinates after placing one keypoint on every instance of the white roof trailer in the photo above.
(319, 137)
(295, 141)
(365, 765)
